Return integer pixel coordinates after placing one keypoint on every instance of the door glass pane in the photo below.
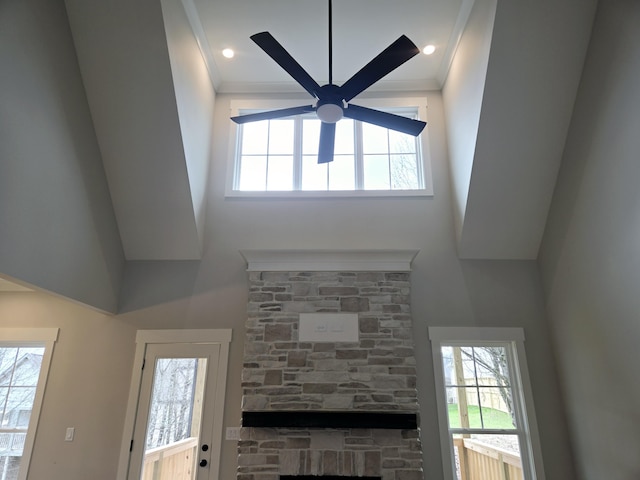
(174, 420)
(19, 373)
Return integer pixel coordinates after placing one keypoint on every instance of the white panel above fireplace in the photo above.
(328, 327)
(329, 260)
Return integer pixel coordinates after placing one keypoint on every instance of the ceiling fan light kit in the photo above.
(332, 101)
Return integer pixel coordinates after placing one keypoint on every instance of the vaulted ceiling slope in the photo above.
(504, 180)
(152, 118)
(509, 92)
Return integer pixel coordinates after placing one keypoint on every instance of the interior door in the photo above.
(174, 420)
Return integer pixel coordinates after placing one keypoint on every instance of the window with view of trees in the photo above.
(484, 414)
(281, 155)
(25, 355)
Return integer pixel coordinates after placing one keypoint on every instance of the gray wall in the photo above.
(590, 257)
(56, 220)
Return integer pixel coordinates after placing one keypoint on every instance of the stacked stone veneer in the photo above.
(376, 373)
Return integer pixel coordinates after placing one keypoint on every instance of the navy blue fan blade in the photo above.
(327, 142)
(271, 114)
(276, 51)
(387, 61)
(385, 119)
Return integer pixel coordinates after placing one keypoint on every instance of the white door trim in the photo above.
(146, 337)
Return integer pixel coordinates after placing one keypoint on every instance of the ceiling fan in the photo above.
(332, 101)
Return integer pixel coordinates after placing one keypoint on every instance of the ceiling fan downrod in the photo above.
(330, 45)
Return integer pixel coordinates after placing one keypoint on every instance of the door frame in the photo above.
(146, 337)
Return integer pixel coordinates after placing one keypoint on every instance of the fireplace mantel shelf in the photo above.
(329, 260)
(329, 419)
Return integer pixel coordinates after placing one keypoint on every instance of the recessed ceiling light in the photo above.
(228, 53)
(429, 49)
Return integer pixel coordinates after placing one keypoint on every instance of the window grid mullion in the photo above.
(358, 155)
(297, 153)
(266, 174)
(389, 159)
(475, 375)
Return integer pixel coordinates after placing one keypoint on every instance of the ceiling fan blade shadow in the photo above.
(388, 60)
(271, 114)
(271, 47)
(327, 142)
(385, 119)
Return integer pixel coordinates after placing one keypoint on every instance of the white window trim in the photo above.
(32, 337)
(238, 105)
(146, 337)
(482, 335)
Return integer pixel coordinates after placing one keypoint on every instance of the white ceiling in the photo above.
(361, 30)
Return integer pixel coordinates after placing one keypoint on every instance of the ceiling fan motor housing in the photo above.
(330, 105)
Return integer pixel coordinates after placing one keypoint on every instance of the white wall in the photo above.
(55, 208)
(590, 256)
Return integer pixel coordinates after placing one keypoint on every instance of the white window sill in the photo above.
(329, 194)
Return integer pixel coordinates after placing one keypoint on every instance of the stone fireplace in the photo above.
(321, 400)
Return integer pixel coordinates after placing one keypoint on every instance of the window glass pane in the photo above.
(492, 365)
(496, 407)
(28, 368)
(376, 172)
(374, 139)
(342, 173)
(255, 138)
(172, 400)
(280, 173)
(463, 407)
(310, 136)
(8, 357)
(19, 402)
(404, 172)
(344, 137)
(281, 137)
(253, 173)
(401, 142)
(495, 457)
(314, 176)
(458, 366)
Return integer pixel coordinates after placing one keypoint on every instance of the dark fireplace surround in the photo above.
(329, 410)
